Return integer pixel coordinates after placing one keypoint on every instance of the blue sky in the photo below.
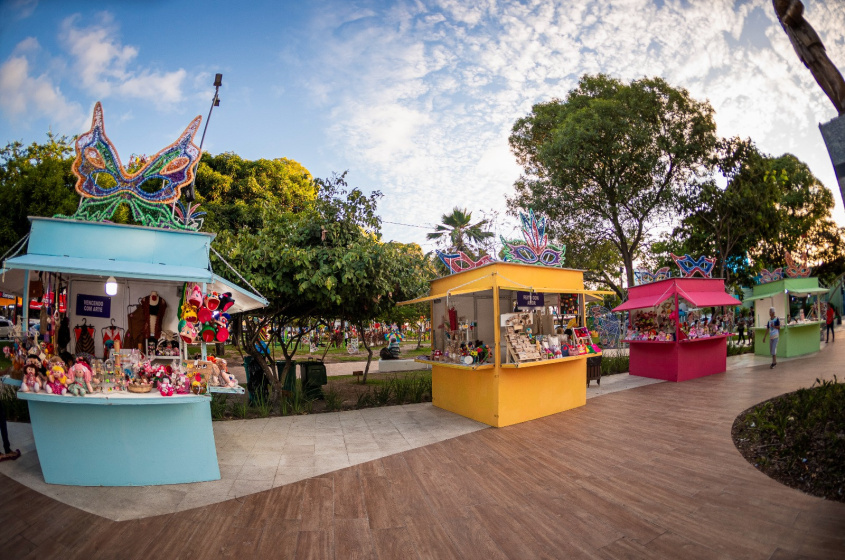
(413, 98)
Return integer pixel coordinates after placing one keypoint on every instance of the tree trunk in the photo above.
(419, 340)
(369, 359)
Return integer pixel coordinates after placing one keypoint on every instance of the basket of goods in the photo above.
(140, 386)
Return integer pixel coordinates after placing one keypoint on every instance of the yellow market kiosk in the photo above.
(506, 391)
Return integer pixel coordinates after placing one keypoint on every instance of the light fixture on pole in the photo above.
(111, 286)
(190, 193)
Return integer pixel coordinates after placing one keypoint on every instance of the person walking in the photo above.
(740, 328)
(8, 454)
(831, 315)
(773, 332)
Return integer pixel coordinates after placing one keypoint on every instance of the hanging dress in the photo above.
(84, 340)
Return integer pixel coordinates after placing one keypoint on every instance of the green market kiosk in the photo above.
(798, 335)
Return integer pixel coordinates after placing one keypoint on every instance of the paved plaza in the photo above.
(646, 469)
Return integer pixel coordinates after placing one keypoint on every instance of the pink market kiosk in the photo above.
(667, 338)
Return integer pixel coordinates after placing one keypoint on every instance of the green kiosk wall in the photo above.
(796, 339)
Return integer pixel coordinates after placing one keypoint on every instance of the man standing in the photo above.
(831, 314)
(773, 332)
(740, 327)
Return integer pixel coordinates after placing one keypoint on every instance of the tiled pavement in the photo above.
(649, 472)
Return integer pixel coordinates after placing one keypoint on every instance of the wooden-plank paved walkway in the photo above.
(646, 473)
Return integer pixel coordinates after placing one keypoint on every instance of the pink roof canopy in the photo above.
(701, 292)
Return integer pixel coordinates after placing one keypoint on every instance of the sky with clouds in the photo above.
(414, 98)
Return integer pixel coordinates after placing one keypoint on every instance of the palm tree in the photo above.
(462, 234)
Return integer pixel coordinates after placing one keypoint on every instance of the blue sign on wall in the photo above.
(529, 299)
(93, 306)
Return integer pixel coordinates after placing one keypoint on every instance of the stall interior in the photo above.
(134, 340)
(663, 323)
(464, 328)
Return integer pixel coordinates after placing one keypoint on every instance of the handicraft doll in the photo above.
(81, 375)
(57, 380)
(31, 382)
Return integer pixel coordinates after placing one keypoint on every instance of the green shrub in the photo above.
(611, 365)
(218, 406)
(333, 399)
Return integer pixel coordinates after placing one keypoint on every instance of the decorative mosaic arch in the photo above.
(460, 261)
(535, 249)
(104, 183)
(689, 266)
(794, 270)
(767, 276)
(646, 277)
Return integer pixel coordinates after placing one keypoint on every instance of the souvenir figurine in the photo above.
(31, 382)
(165, 388)
(56, 380)
(81, 375)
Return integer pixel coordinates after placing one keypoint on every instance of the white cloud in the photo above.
(24, 96)
(22, 8)
(423, 94)
(106, 66)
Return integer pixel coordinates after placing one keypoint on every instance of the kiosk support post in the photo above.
(497, 330)
(25, 305)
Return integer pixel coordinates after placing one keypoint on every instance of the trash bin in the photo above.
(313, 375)
(257, 384)
(289, 382)
(594, 370)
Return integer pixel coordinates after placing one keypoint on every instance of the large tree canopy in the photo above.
(235, 192)
(610, 162)
(34, 181)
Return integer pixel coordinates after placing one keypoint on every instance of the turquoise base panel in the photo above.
(82, 443)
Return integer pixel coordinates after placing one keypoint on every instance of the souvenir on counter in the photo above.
(220, 376)
(198, 375)
(204, 316)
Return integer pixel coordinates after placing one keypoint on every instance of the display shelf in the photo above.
(792, 325)
(227, 390)
(455, 366)
(113, 398)
(546, 362)
(702, 338)
(165, 357)
(649, 341)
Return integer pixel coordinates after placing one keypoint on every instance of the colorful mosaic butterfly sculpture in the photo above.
(151, 192)
(536, 248)
(793, 270)
(767, 276)
(689, 266)
(460, 261)
(646, 277)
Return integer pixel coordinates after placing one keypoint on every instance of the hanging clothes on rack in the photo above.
(84, 338)
(111, 335)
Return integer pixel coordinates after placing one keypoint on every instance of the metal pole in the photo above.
(215, 101)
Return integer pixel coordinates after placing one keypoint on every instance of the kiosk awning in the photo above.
(244, 299)
(709, 299)
(109, 267)
(644, 302)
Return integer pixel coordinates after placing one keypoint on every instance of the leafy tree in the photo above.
(34, 181)
(325, 260)
(462, 235)
(610, 161)
(803, 219)
(726, 222)
(234, 191)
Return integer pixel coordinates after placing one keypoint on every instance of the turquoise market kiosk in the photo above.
(121, 439)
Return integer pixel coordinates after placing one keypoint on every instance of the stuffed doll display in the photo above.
(31, 379)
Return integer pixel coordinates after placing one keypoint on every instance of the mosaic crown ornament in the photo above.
(460, 261)
(535, 249)
(104, 183)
